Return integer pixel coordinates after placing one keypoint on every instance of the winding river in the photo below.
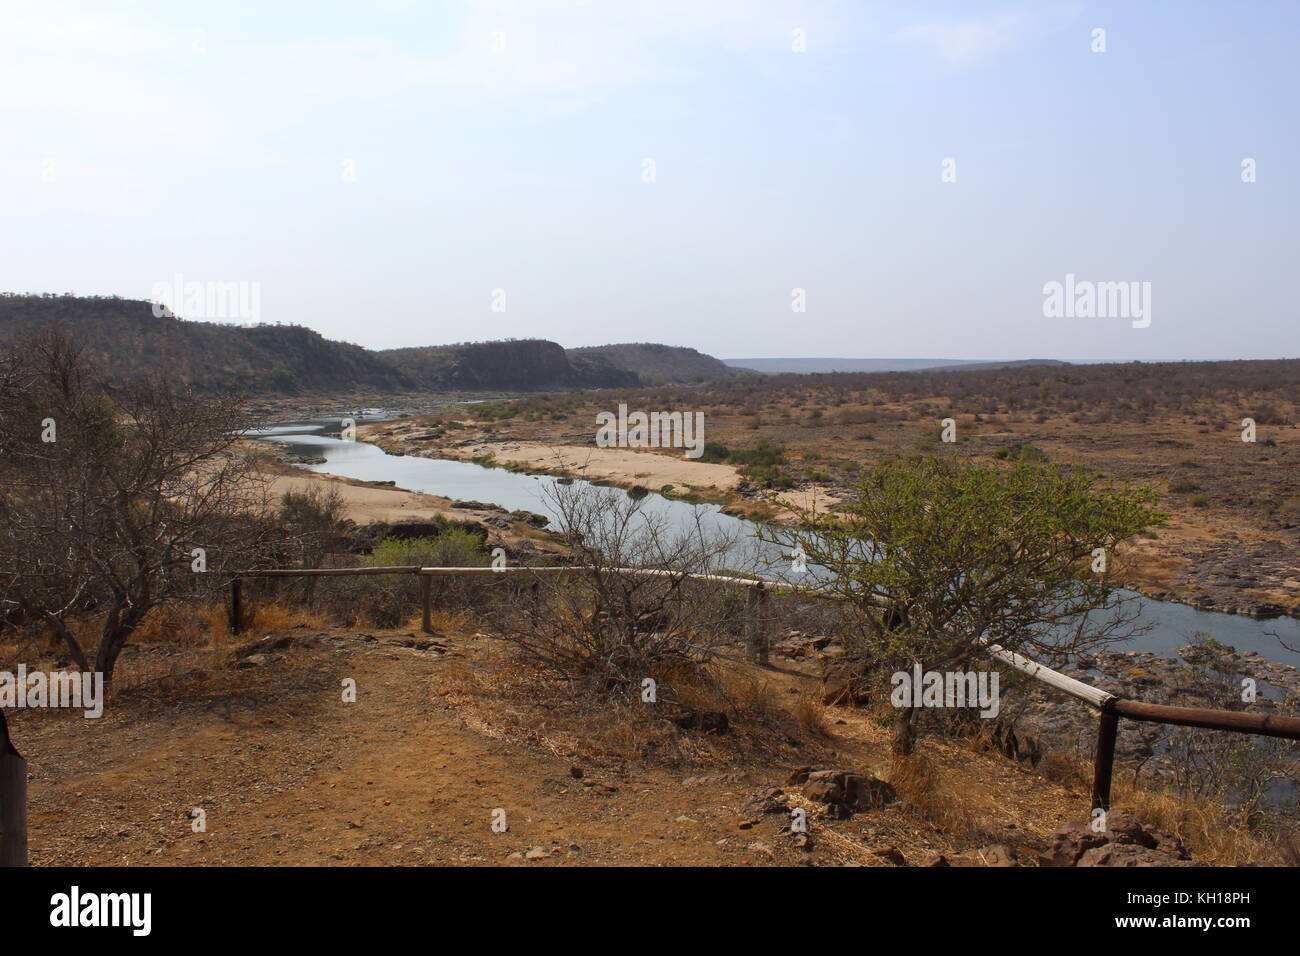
(1171, 624)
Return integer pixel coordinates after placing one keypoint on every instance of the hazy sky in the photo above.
(380, 168)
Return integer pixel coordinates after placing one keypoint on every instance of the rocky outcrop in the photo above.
(1123, 842)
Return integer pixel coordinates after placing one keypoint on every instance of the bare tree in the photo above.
(610, 629)
(116, 501)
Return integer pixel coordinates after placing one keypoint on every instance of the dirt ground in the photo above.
(287, 773)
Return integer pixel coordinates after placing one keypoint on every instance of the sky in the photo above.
(759, 178)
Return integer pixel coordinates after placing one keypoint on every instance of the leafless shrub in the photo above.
(607, 630)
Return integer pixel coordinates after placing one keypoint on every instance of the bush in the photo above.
(715, 452)
(387, 599)
(453, 548)
(1020, 452)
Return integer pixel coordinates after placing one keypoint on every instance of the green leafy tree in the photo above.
(934, 556)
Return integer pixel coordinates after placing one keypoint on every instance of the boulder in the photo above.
(844, 685)
(1124, 842)
(769, 800)
(844, 792)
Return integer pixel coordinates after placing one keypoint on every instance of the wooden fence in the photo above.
(1108, 707)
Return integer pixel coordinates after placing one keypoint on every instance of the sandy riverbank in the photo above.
(366, 503)
(622, 466)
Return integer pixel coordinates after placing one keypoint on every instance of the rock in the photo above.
(846, 792)
(1125, 842)
(531, 518)
(935, 859)
(999, 854)
(891, 855)
(263, 646)
(770, 800)
(798, 776)
(1130, 854)
(537, 853)
(844, 685)
(1069, 844)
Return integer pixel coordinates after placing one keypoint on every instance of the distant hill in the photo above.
(125, 339)
(658, 364)
(520, 365)
(806, 366)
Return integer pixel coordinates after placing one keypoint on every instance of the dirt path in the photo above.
(289, 774)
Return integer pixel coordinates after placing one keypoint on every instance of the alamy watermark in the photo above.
(207, 301)
(63, 689)
(978, 689)
(129, 910)
(1085, 299)
(653, 430)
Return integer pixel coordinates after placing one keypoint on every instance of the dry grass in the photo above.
(921, 786)
(810, 713)
(1213, 833)
(173, 641)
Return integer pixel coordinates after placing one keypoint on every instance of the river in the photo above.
(1171, 624)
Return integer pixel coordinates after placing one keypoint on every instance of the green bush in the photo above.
(453, 548)
(1020, 453)
(388, 598)
(714, 452)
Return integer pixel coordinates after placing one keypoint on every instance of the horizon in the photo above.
(939, 361)
(819, 178)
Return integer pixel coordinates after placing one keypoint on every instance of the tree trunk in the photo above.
(13, 801)
(74, 647)
(905, 731)
(118, 628)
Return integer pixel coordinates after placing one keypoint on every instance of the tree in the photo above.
(934, 555)
(116, 501)
(607, 630)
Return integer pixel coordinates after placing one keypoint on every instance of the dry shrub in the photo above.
(185, 625)
(278, 616)
(919, 785)
(810, 713)
(1066, 769)
(1212, 832)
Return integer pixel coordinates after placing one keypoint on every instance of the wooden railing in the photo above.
(1109, 707)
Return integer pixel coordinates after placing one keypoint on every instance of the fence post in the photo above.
(13, 801)
(755, 615)
(1104, 764)
(236, 605)
(426, 585)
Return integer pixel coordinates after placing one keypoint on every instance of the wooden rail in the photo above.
(1109, 707)
(755, 605)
